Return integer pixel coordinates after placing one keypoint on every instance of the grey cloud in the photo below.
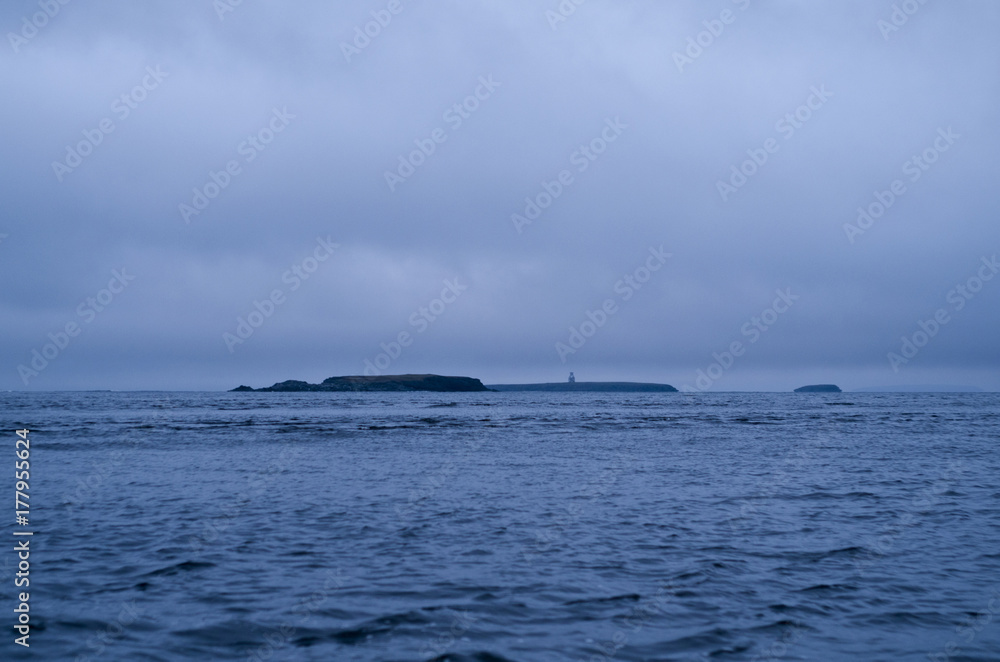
(656, 185)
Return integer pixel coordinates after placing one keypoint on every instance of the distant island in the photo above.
(819, 388)
(380, 383)
(605, 387)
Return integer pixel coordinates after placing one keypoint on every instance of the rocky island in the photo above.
(380, 383)
(819, 388)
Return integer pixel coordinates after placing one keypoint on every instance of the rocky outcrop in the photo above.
(435, 383)
(819, 388)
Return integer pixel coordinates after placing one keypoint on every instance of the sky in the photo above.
(724, 195)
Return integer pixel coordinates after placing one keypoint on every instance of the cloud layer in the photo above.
(530, 154)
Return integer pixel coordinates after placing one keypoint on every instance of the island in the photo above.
(592, 387)
(819, 388)
(435, 383)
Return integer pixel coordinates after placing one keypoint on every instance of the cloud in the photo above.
(657, 184)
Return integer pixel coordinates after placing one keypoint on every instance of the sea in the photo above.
(494, 527)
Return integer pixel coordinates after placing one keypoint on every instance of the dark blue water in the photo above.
(508, 526)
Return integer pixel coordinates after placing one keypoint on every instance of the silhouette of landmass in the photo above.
(610, 387)
(819, 388)
(379, 383)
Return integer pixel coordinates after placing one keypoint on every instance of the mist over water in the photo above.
(513, 526)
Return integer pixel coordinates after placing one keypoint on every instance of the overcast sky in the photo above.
(167, 166)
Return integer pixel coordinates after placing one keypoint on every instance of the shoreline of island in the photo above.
(448, 384)
(444, 384)
(585, 387)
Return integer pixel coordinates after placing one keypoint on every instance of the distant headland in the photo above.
(819, 388)
(604, 387)
(441, 384)
(379, 383)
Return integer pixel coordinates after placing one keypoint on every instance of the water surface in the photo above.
(512, 526)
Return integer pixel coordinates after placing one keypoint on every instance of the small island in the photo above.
(435, 383)
(819, 388)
